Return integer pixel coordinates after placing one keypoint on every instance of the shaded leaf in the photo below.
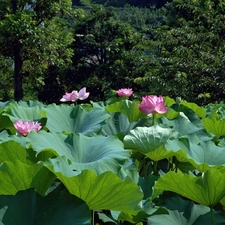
(202, 155)
(120, 123)
(15, 112)
(74, 119)
(57, 208)
(147, 209)
(98, 153)
(182, 124)
(150, 141)
(185, 212)
(147, 184)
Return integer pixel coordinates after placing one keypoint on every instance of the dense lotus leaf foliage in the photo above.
(109, 163)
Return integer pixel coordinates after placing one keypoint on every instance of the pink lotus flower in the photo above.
(75, 95)
(24, 128)
(152, 104)
(125, 92)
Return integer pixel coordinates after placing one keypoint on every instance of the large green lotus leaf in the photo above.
(47, 141)
(214, 126)
(5, 137)
(16, 176)
(74, 119)
(128, 108)
(188, 125)
(98, 153)
(101, 192)
(120, 123)
(182, 124)
(57, 208)
(207, 190)
(61, 165)
(202, 156)
(150, 141)
(15, 112)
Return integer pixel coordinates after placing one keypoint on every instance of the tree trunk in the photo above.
(18, 62)
(18, 76)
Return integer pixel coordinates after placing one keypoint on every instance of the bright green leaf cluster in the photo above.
(109, 162)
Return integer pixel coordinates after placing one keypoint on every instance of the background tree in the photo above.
(108, 53)
(33, 34)
(191, 52)
(122, 3)
(144, 20)
(6, 81)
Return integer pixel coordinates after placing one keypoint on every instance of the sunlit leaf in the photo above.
(199, 111)
(216, 127)
(16, 176)
(207, 190)
(104, 191)
(169, 101)
(12, 151)
(128, 108)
